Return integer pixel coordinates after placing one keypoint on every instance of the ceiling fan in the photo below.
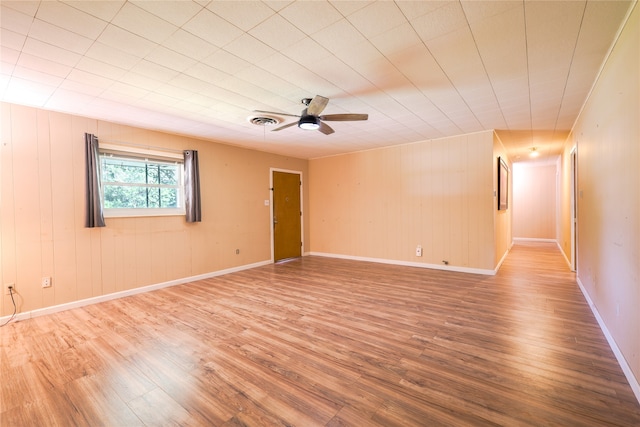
(310, 119)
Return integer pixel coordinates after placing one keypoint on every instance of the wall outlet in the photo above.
(419, 250)
(9, 285)
(46, 282)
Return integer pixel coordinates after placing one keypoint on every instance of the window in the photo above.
(138, 186)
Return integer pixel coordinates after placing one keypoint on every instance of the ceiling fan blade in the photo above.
(277, 114)
(316, 105)
(285, 126)
(344, 117)
(326, 129)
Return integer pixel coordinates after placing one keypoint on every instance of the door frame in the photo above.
(573, 156)
(299, 173)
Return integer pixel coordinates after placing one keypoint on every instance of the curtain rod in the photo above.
(147, 147)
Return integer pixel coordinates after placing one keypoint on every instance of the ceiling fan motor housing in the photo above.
(308, 122)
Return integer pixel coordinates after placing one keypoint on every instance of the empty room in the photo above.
(319, 213)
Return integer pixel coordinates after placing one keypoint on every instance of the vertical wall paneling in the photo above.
(607, 134)
(42, 213)
(7, 209)
(45, 203)
(385, 202)
(63, 208)
(27, 207)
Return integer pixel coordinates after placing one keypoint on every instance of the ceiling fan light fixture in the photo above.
(309, 122)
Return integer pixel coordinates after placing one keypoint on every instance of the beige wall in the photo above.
(502, 218)
(607, 135)
(381, 204)
(565, 211)
(42, 213)
(534, 200)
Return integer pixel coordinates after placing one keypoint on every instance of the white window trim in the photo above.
(143, 154)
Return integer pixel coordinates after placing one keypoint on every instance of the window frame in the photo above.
(144, 156)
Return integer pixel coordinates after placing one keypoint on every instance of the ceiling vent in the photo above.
(263, 120)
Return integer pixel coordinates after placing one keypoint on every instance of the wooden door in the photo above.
(287, 238)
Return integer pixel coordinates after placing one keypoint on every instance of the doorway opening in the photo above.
(574, 209)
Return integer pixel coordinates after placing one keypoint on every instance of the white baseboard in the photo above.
(633, 381)
(408, 263)
(121, 294)
(533, 239)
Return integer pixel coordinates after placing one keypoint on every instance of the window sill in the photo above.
(142, 213)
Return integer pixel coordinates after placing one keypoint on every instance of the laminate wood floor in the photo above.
(325, 342)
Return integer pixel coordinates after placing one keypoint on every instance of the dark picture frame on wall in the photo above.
(503, 185)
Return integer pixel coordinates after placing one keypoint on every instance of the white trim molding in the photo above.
(486, 272)
(626, 369)
(115, 295)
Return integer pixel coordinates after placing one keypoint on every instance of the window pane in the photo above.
(130, 183)
(152, 174)
(169, 198)
(117, 196)
(168, 174)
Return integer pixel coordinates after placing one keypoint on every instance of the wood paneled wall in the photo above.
(607, 135)
(381, 204)
(42, 213)
(502, 219)
(535, 200)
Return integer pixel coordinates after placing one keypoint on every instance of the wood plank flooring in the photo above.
(325, 342)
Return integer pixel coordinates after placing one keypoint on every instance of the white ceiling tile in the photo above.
(455, 67)
(307, 52)
(60, 37)
(15, 20)
(206, 73)
(24, 6)
(277, 33)
(226, 61)
(339, 37)
(89, 79)
(140, 81)
(50, 52)
(38, 63)
(126, 41)
(443, 20)
(249, 48)
(377, 18)
(104, 10)
(393, 42)
(73, 20)
(346, 8)
(112, 56)
(37, 76)
(169, 59)
(27, 92)
(11, 39)
(415, 9)
(154, 71)
(209, 26)
(176, 12)
(9, 58)
(311, 16)
(99, 68)
(80, 88)
(243, 14)
(189, 45)
(125, 92)
(144, 24)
